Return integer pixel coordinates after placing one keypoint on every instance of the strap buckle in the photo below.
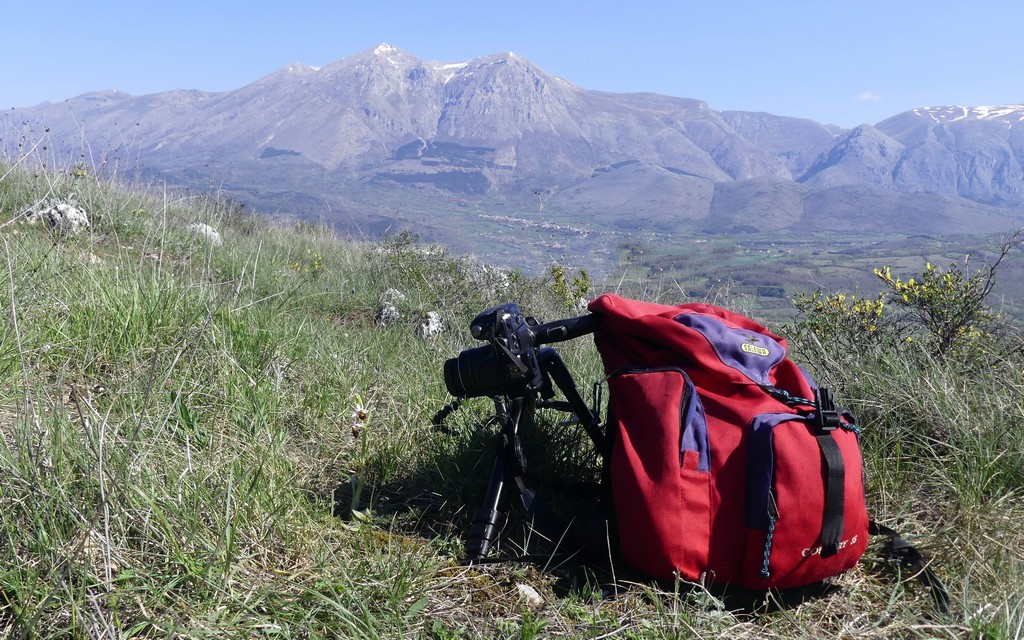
(826, 415)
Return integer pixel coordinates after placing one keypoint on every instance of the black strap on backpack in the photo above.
(827, 420)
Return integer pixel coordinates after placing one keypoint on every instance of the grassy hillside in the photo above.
(204, 440)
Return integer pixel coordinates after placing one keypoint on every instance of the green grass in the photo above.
(179, 456)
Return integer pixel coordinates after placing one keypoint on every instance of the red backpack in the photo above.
(727, 463)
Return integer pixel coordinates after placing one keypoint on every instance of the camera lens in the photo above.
(475, 372)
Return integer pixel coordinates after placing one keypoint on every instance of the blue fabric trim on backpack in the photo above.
(695, 428)
(752, 354)
(761, 466)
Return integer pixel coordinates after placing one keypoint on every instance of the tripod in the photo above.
(510, 461)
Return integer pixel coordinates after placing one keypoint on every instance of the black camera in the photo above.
(507, 365)
(511, 364)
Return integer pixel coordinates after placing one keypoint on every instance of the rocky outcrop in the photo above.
(205, 231)
(64, 218)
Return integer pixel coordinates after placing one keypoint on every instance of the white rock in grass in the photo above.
(529, 595)
(433, 325)
(206, 231)
(63, 217)
(387, 312)
(392, 296)
(388, 315)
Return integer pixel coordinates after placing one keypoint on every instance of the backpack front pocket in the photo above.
(660, 472)
(790, 485)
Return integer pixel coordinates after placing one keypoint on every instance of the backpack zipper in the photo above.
(773, 515)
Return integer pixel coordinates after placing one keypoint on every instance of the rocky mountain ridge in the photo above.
(382, 134)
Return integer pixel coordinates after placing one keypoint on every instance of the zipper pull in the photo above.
(773, 516)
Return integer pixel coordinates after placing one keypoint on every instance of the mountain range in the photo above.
(383, 140)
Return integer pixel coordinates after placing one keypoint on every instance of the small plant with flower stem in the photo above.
(948, 304)
(843, 321)
(568, 293)
(358, 418)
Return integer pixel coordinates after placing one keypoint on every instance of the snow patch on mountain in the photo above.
(447, 71)
(954, 113)
(298, 67)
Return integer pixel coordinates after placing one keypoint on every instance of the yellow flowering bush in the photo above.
(948, 304)
(942, 311)
(844, 321)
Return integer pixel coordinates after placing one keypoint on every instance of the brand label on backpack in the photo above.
(756, 350)
(752, 354)
(816, 551)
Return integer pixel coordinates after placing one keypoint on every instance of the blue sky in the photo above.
(844, 63)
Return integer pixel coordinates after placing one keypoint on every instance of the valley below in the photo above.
(762, 270)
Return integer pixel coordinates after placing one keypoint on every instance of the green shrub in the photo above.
(943, 312)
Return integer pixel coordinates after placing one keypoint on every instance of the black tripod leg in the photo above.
(554, 369)
(487, 519)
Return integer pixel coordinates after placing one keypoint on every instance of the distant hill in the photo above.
(383, 139)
